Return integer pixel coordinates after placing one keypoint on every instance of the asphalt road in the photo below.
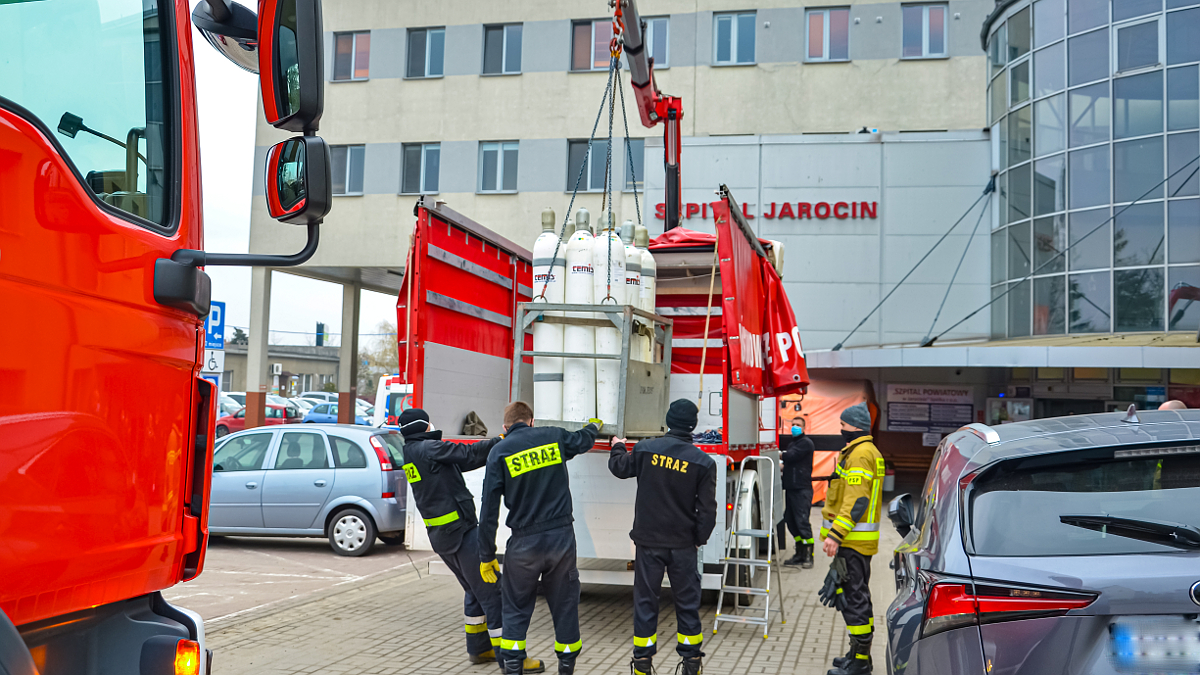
(242, 574)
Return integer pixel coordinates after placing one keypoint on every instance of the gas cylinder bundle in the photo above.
(604, 268)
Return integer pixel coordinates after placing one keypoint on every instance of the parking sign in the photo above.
(214, 327)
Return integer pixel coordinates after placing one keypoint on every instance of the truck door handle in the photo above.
(319, 483)
(251, 485)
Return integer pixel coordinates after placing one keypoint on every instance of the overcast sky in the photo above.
(227, 98)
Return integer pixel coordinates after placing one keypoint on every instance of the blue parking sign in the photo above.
(214, 327)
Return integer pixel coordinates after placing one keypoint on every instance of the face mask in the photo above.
(797, 431)
(849, 436)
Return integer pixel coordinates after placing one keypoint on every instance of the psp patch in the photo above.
(532, 459)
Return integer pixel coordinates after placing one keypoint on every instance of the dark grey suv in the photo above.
(1066, 545)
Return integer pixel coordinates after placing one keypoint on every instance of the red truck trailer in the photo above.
(463, 291)
(105, 423)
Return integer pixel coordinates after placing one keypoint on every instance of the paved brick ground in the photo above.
(402, 623)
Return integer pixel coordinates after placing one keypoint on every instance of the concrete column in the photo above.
(257, 379)
(348, 354)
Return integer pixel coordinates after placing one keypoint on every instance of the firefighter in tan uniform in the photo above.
(850, 534)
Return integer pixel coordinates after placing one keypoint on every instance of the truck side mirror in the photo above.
(290, 63)
(298, 185)
(231, 29)
(900, 512)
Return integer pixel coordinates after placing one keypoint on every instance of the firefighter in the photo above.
(528, 469)
(850, 534)
(674, 514)
(434, 470)
(797, 458)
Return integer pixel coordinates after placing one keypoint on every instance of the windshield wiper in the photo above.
(1176, 535)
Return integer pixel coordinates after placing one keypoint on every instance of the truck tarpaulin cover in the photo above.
(763, 338)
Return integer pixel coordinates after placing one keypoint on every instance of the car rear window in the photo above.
(395, 445)
(1014, 509)
(347, 454)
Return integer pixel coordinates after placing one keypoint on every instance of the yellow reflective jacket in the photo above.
(853, 505)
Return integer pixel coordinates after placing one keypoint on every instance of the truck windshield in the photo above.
(92, 71)
(1016, 510)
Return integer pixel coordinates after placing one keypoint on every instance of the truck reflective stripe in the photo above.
(442, 520)
(561, 648)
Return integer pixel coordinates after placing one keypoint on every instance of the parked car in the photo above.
(327, 413)
(337, 481)
(327, 396)
(304, 404)
(239, 396)
(1050, 546)
(276, 414)
(227, 405)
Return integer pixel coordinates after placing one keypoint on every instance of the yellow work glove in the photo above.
(489, 570)
(597, 421)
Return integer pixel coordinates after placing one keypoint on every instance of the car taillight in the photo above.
(187, 658)
(385, 460)
(953, 605)
(389, 495)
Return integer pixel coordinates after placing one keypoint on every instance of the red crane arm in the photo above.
(654, 106)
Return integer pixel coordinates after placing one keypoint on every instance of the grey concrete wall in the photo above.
(545, 46)
(464, 50)
(460, 167)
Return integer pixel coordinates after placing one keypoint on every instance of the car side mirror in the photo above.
(290, 63)
(900, 512)
(298, 186)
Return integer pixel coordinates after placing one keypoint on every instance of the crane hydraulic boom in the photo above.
(655, 107)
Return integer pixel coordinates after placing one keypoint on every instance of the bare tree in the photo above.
(379, 358)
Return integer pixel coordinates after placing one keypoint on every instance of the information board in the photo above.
(923, 408)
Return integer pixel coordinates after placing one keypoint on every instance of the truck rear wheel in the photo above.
(351, 532)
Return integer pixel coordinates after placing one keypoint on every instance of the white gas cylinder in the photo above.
(579, 375)
(549, 263)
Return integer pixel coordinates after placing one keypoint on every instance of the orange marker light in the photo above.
(187, 658)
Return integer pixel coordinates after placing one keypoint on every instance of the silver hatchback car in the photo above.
(324, 480)
(1066, 545)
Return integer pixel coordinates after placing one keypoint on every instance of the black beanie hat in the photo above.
(409, 417)
(682, 415)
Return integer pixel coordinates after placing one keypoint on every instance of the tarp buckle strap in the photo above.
(645, 641)
(442, 520)
(563, 648)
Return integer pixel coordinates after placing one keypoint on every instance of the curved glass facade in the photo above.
(1092, 105)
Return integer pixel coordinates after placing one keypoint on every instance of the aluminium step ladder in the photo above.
(748, 568)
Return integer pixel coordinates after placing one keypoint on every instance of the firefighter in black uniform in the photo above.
(528, 469)
(797, 458)
(675, 512)
(434, 469)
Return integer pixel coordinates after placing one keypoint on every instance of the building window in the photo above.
(828, 35)
(637, 178)
(346, 167)
(420, 168)
(924, 31)
(592, 164)
(733, 42)
(498, 167)
(1136, 45)
(502, 50)
(655, 40)
(352, 56)
(426, 52)
(589, 44)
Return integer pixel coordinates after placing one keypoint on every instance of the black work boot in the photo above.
(807, 553)
(566, 666)
(643, 666)
(842, 661)
(514, 666)
(859, 660)
(797, 559)
(692, 665)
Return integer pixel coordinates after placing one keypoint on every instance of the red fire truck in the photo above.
(105, 423)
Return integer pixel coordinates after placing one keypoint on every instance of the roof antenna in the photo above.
(1131, 415)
